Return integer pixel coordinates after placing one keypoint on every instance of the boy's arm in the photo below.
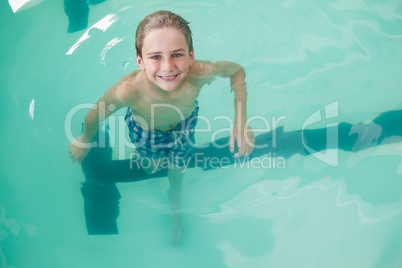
(116, 97)
(110, 102)
(235, 72)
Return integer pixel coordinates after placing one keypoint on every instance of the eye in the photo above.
(177, 55)
(156, 57)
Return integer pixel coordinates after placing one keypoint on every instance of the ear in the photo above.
(140, 62)
(191, 57)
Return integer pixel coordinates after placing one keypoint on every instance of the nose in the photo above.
(168, 65)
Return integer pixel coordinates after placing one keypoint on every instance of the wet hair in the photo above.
(160, 20)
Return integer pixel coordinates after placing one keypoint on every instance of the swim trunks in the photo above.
(176, 145)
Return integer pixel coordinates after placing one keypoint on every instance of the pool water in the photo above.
(311, 64)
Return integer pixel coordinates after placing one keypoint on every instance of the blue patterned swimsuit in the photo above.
(175, 144)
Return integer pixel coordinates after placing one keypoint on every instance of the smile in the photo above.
(168, 78)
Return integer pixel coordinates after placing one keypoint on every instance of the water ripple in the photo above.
(102, 25)
(324, 41)
(108, 46)
(261, 194)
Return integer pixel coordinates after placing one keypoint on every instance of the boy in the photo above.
(161, 97)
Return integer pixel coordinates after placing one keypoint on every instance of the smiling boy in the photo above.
(161, 100)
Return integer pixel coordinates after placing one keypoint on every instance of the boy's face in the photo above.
(165, 58)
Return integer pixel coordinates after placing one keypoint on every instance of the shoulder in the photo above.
(125, 91)
(202, 68)
(213, 69)
(204, 71)
(128, 86)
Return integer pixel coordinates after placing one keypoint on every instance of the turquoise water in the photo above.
(300, 57)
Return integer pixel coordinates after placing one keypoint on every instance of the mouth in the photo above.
(168, 78)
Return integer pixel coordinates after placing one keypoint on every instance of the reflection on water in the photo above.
(102, 196)
(77, 12)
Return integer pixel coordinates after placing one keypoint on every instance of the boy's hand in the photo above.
(244, 138)
(76, 151)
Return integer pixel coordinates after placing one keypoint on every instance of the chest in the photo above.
(168, 111)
